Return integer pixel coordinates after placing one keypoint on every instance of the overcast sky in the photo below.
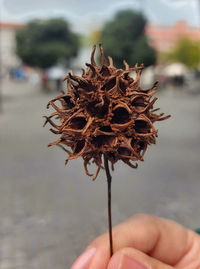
(86, 15)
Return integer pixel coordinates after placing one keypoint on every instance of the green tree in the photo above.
(44, 43)
(124, 38)
(186, 51)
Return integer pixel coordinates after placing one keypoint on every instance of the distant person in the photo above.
(178, 80)
(58, 84)
(44, 81)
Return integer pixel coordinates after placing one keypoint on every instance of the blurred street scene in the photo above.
(49, 212)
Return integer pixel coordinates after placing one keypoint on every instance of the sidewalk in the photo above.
(50, 212)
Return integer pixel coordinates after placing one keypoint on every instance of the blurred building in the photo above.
(8, 55)
(163, 38)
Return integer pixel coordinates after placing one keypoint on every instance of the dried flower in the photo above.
(105, 112)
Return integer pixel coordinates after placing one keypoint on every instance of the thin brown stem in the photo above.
(109, 180)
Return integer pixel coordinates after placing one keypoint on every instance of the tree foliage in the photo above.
(44, 43)
(124, 38)
(187, 52)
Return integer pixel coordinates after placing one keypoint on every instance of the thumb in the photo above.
(129, 258)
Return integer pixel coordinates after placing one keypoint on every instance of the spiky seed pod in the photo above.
(105, 111)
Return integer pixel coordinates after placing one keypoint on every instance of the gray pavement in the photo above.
(49, 212)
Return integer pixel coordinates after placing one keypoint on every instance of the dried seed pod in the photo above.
(105, 112)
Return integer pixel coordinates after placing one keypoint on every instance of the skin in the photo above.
(151, 241)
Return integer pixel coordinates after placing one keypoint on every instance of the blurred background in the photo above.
(49, 212)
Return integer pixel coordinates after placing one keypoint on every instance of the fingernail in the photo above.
(125, 262)
(130, 263)
(84, 259)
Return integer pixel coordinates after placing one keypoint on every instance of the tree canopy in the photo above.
(42, 43)
(187, 52)
(124, 38)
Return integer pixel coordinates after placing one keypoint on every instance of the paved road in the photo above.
(49, 212)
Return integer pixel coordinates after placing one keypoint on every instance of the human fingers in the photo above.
(148, 234)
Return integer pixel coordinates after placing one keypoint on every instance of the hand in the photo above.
(144, 242)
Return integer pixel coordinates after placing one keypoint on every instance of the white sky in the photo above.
(85, 15)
